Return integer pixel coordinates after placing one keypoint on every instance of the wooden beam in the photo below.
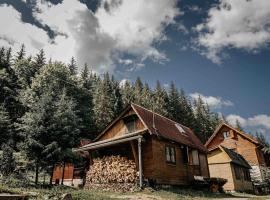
(134, 154)
(140, 161)
(126, 136)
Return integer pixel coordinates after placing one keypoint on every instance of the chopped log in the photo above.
(112, 173)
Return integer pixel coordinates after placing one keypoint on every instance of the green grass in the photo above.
(55, 192)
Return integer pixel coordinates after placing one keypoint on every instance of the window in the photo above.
(246, 175)
(238, 172)
(130, 123)
(184, 150)
(226, 134)
(180, 129)
(195, 157)
(130, 126)
(170, 154)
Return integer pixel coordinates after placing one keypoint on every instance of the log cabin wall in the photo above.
(119, 128)
(163, 172)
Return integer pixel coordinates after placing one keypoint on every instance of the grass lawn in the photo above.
(170, 194)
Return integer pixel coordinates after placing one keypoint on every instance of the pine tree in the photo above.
(5, 126)
(85, 73)
(187, 117)
(20, 54)
(160, 100)
(206, 121)
(9, 86)
(103, 101)
(174, 107)
(127, 92)
(138, 87)
(39, 61)
(7, 162)
(147, 97)
(73, 66)
(117, 97)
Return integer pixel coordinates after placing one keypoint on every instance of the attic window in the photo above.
(226, 134)
(181, 130)
(130, 123)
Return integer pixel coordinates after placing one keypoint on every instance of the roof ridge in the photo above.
(160, 115)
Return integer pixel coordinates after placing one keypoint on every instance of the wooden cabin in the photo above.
(243, 144)
(225, 163)
(165, 152)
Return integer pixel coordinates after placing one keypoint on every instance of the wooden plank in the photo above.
(134, 153)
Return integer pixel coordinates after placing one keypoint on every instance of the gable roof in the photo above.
(164, 127)
(167, 128)
(236, 158)
(245, 135)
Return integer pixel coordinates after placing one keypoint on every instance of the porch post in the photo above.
(140, 160)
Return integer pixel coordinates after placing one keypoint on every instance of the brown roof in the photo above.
(236, 158)
(247, 136)
(167, 128)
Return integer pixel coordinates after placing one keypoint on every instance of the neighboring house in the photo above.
(165, 152)
(244, 144)
(226, 163)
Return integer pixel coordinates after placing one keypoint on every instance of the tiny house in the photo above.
(225, 163)
(245, 145)
(165, 152)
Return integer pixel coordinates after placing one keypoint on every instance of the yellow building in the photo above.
(225, 163)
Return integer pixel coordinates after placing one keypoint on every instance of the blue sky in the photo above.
(216, 49)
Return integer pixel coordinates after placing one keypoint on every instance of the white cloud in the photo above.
(101, 39)
(213, 102)
(12, 33)
(257, 120)
(258, 123)
(242, 24)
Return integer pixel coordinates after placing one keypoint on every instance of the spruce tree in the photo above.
(174, 107)
(7, 161)
(39, 61)
(138, 87)
(127, 92)
(85, 73)
(5, 126)
(103, 101)
(146, 97)
(206, 121)
(21, 53)
(160, 100)
(73, 66)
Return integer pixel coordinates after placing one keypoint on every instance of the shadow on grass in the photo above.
(187, 192)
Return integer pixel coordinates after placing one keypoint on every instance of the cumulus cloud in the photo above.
(242, 24)
(257, 120)
(100, 38)
(213, 102)
(259, 123)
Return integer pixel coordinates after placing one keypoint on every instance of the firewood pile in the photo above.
(113, 173)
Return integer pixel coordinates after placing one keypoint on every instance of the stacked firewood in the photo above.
(112, 173)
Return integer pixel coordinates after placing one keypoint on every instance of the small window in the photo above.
(180, 129)
(184, 150)
(226, 134)
(238, 172)
(130, 126)
(130, 123)
(195, 157)
(170, 154)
